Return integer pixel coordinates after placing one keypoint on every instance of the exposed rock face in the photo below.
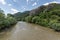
(37, 10)
(43, 8)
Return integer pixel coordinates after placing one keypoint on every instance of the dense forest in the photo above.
(6, 21)
(45, 15)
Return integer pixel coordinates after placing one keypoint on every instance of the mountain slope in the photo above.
(47, 8)
(21, 15)
(47, 16)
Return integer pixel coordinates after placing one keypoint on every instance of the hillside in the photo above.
(21, 15)
(48, 16)
(47, 8)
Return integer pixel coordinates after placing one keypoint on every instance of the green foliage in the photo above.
(47, 19)
(44, 22)
(10, 15)
(20, 16)
(11, 20)
(28, 19)
(6, 22)
(55, 26)
(34, 19)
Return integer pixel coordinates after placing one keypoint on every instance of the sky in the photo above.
(14, 6)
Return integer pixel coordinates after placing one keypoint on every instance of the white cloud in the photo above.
(9, 4)
(14, 10)
(46, 4)
(51, 2)
(24, 7)
(27, 1)
(34, 4)
(2, 2)
(14, 0)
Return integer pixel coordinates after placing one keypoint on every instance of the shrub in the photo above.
(56, 26)
(44, 22)
(6, 21)
(28, 19)
(12, 20)
(34, 19)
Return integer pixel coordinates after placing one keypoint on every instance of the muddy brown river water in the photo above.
(27, 31)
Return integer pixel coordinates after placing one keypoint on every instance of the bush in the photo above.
(56, 26)
(28, 19)
(34, 19)
(52, 22)
(6, 21)
(44, 22)
(54, 17)
(12, 20)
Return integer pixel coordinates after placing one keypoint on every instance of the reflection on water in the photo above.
(27, 31)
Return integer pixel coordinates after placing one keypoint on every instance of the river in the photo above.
(28, 31)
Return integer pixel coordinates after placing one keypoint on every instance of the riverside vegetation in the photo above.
(6, 21)
(45, 15)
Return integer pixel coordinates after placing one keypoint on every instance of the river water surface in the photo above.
(27, 31)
